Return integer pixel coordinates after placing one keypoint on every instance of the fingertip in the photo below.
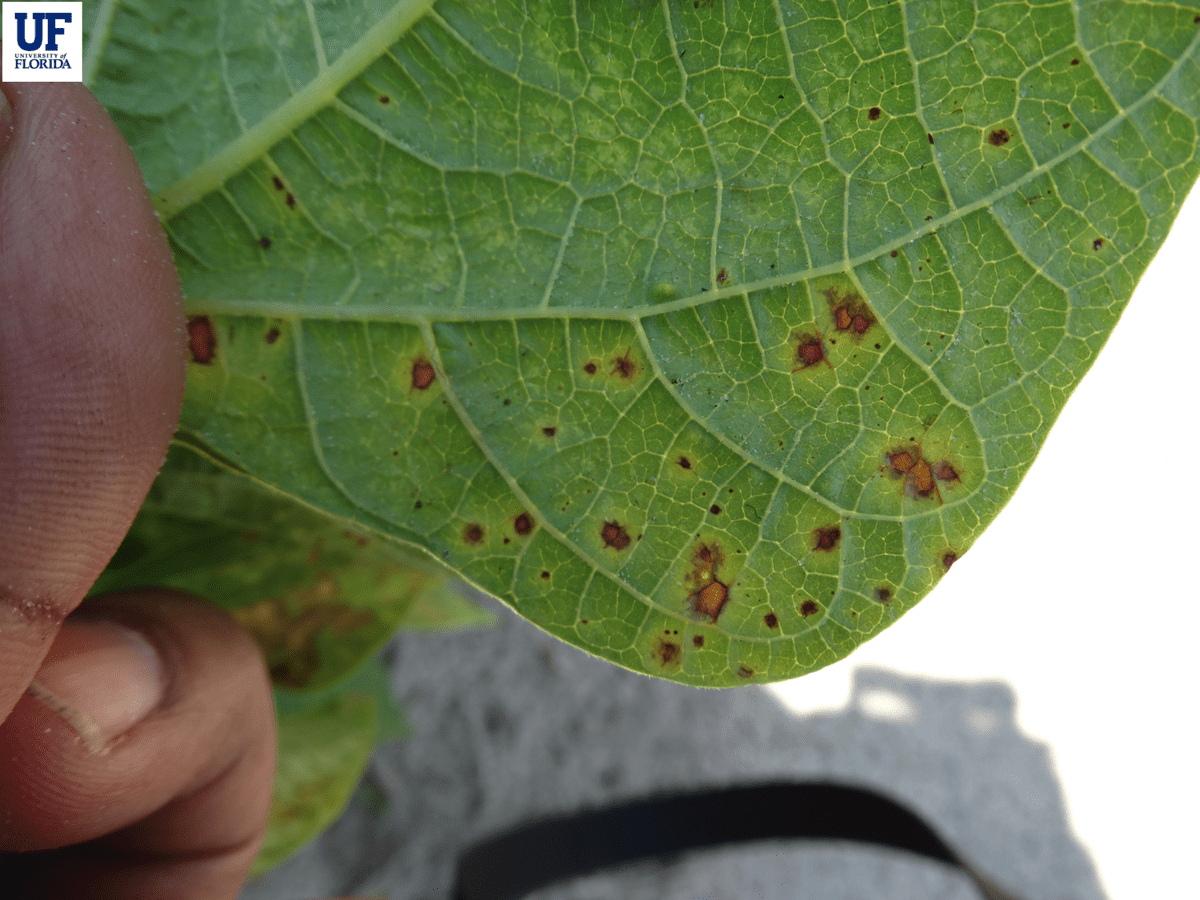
(92, 361)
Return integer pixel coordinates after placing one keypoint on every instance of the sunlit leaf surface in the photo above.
(707, 334)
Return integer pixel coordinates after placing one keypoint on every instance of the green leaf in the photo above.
(318, 597)
(706, 334)
(325, 742)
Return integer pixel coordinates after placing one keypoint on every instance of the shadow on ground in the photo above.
(511, 724)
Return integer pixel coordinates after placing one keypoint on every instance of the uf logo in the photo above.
(52, 32)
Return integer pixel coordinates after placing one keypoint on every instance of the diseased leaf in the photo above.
(325, 741)
(706, 334)
(319, 598)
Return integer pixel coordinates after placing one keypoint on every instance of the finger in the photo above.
(91, 359)
(171, 805)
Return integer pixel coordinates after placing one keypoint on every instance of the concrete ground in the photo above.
(511, 724)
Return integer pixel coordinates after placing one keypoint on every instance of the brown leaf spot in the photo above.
(473, 533)
(697, 641)
(715, 510)
(850, 312)
(523, 524)
(949, 558)
(549, 431)
(943, 471)
(809, 351)
(828, 537)
(771, 620)
(264, 242)
(290, 636)
(625, 366)
(901, 461)
(422, 373)
(744, 671)
(709, 593)
(278, 184)
(1097, 243)
(930, 136)
(808, 608)
(201, 340)
(614, 536)
(667, 653)
(709, 600)
(722, 276)
(271, 336)
(883, 594)
(384, 98)
(683, 462)
(1075, 62)
(545, 575)
(290, 200)
(874, 113)
(998, 138)
(590, 368)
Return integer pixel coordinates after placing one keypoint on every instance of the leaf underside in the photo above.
(707, 334)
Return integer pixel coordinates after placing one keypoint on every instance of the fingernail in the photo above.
(101, 678)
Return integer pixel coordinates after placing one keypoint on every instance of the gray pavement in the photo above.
(511, 724)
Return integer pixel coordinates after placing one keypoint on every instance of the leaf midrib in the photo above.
(316, 95)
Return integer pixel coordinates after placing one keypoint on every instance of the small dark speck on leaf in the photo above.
(1066, 124)
(473, 533)
(949, 559)
(278, 184)
(772, 620)
(683, 462)
(264, 242)
(523, 524)
(590, 368)
(545, 574)
(808, 608)
(930, 136)
(1097, 243)
(722, 276)
(418, 505)
(698, 640)
(873, 113)
(550, 431)
(384, 98)
(745, 672)
(271, 336)
(998, 138)
(895, 253)
(291, 201)
(1075, 62)
(715, 510)
(507, 401)
(882, 594)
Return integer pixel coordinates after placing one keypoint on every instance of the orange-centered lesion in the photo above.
(709, 594)
(922, 479)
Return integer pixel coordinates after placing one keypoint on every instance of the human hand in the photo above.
(138, 738)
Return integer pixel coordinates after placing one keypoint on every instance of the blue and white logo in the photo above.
(43, 42)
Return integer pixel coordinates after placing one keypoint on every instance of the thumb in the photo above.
(91, 359)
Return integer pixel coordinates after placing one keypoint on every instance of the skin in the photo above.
(92, 365)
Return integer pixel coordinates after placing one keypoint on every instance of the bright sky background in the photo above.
(1083, 594)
